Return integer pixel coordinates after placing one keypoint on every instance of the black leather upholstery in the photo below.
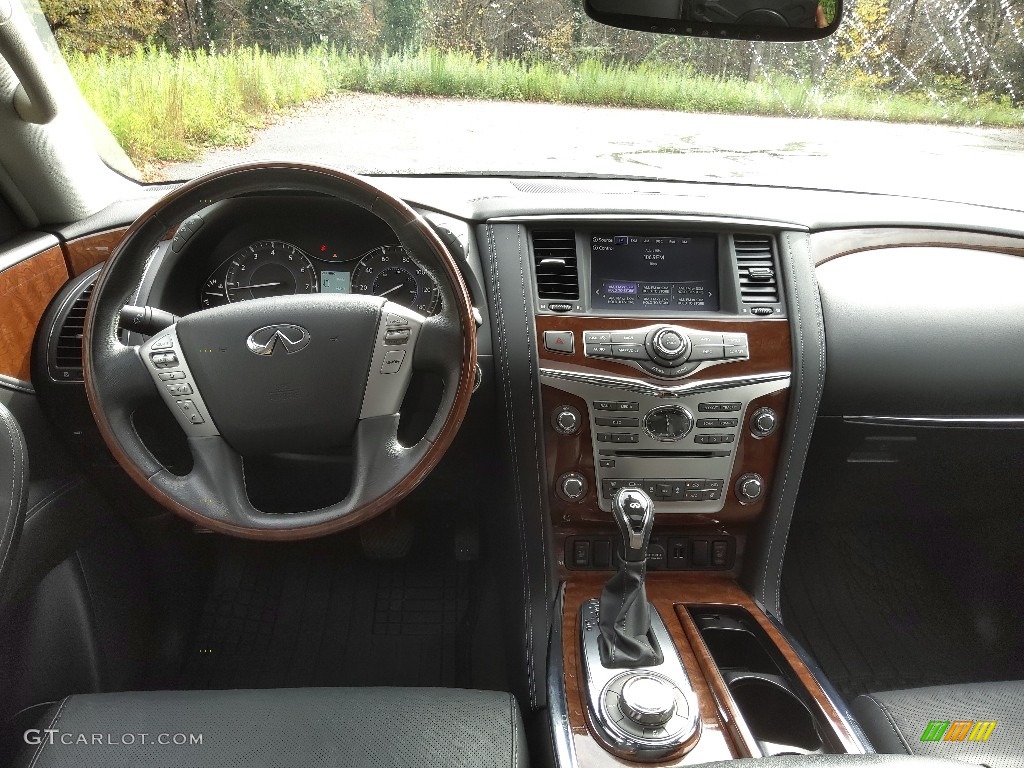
(13, 489)
(838, 761)
(283, 728)
(896, 720)
(626, 620)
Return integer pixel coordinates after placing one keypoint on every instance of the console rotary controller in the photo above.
(749, 488)
(566, 420)
(669, 345)
(648, 700)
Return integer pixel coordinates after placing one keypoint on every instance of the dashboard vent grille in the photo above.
(756, 267)
(554, 260)
(68, 355)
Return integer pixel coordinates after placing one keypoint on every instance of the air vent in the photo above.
(756, 268)
(554, 259)
(68, 355)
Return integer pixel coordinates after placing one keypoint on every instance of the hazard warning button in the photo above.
(558, 341)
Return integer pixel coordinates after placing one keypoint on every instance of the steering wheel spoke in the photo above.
(163, 357)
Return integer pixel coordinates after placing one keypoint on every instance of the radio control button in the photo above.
(601, 350)
(718, 407)
(630, 351)
(596, 337)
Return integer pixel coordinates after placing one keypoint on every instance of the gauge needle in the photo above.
(259, 285)
(391, 290)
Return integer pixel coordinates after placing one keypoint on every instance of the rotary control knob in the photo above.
(668, 423)
(572, 486)
(750, 487)
(763, 422)
(566, 420)
(670, 343)
(648, 701)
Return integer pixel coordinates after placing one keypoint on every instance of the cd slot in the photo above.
(653, 454)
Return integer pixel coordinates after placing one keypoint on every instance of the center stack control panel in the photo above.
(677, 442)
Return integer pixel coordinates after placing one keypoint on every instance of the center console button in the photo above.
(625, 437)
(617, 421)
(706, 339)
(627, 337)
(718, 407)
(630, 351)
(601, 350)
(559, 341)
(596, 337)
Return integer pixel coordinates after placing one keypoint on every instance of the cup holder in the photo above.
(777, 719)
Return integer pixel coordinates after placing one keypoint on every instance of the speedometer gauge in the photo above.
(269, 268)
(390, 272)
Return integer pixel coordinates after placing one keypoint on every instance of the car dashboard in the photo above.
(679, 338)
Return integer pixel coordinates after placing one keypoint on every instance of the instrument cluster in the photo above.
(278, 267)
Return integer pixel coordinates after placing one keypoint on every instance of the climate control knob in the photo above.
(572, 486)
(670, 343)
(750, 487)
(668, 423)
(763, 422)
(566, 420)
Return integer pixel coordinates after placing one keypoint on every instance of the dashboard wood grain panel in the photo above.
(725, 735)
(770, 349)
(25, 290)
(833, 244)
(89, 250)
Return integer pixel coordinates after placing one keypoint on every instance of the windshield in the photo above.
(916, 97)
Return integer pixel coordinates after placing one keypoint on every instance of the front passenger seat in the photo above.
(954, 722)
(281, 728)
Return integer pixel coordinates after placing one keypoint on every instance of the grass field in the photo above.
(163, 106)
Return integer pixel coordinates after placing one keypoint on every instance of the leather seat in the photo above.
(300, 727)
(897, 721)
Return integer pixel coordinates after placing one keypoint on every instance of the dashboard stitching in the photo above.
(798, 391)
(510, 423)
(17, 482)
(533, 421)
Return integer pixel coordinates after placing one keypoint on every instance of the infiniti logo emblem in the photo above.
(263, 341)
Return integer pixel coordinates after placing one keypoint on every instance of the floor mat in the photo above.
(905, 576)
(313, 615)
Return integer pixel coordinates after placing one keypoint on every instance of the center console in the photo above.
(664, 360)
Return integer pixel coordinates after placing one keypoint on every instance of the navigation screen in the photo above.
(651, 272)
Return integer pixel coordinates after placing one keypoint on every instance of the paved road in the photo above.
(372, 133)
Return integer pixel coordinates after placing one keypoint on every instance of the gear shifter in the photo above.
(625, 619)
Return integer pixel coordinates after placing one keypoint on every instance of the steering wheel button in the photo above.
(395, 321)
(393, 361)
(179, 389)
(397, 336)
(170, 375)
(165, 343)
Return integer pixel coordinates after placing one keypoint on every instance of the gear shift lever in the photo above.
(625, 619)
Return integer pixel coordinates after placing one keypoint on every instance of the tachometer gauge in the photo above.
(390, 272)
(269, 268)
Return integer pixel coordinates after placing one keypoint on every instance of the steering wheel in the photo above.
(295, 374)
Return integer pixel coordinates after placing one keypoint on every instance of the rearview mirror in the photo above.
(786, 20)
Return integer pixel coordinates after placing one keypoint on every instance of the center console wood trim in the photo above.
(769, 340)
(725, 735)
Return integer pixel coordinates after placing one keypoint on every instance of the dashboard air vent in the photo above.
(756, 268)
(68, 355)
(554, 259)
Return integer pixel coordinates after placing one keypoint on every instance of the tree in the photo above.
(277, 25)
(89, 25)
(400, 23)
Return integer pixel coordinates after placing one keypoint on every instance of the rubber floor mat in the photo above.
(881, 612)
(302, 615)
